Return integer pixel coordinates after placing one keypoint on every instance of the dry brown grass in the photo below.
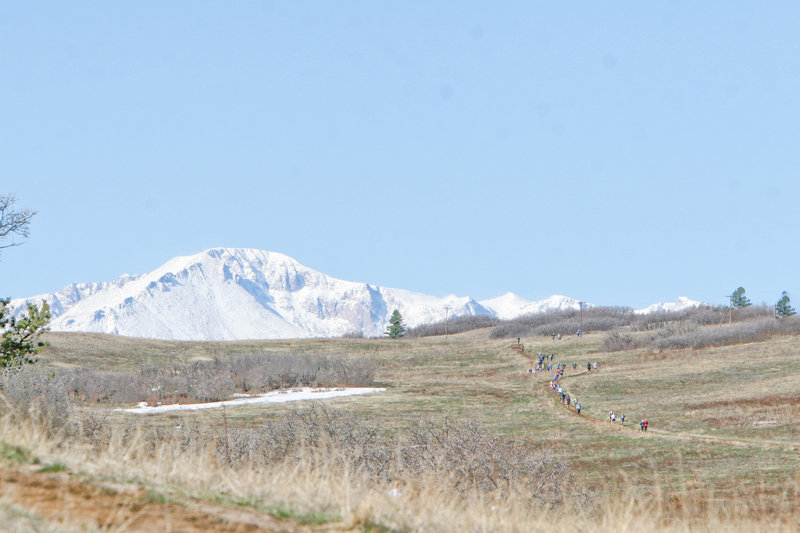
(334, 495)
(705, 464)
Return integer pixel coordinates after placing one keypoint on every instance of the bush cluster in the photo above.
(461, 456)
(464, 455)
(594, 319)
(453, 326)
(198, 381)
(699, 328)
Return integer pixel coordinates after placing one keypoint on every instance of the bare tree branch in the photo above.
(13, 222)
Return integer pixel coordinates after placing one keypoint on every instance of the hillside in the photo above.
(720, 453)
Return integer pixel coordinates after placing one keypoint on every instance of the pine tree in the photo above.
(396, 328)
(783, 308)
(19, 342)
(739, 300)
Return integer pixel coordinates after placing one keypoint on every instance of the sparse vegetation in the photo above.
(453, 326)
(463, 440)
(196, 381)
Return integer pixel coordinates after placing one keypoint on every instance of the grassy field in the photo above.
(723, 425)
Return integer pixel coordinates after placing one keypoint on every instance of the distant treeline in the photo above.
(627, 330)
(453, 326)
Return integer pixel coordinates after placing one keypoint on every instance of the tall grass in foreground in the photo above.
(322, 466)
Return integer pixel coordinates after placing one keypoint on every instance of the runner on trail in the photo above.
(641, 425)
(588, 367)
(578, 407)
(645, 425)
(622, 419)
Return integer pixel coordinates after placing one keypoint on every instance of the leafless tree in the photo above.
(13, 221)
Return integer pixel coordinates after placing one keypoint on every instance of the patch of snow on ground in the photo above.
(279, 396)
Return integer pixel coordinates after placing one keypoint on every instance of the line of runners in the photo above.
(544, 363)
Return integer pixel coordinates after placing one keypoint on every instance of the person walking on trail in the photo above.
(578, 407)
(622, 419)
(588, 367)
(595, 365)
(641, 425)
(645, 425)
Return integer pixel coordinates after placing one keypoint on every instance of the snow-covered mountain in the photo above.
(235, 294)
(229, 294)
(512, 305)
(678, 305)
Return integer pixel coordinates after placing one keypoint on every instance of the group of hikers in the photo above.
(612, 418)
(556, 388)
(544, 362)
(559, 336)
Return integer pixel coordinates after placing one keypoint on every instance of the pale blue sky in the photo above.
(622, 153)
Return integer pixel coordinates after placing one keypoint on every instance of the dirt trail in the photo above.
(63, 500)
(633, 431)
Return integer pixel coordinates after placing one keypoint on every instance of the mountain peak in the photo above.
(245, 293)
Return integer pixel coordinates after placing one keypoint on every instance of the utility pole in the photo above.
(446, 316)
(730, 309)
(580, 305)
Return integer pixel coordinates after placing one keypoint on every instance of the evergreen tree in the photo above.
(739, 300)
(19, 341)
(18, 335)
(396, 328)
(783, 308)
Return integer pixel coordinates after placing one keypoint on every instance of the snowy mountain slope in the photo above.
(511, 305)
(227, 294)
(681, 303)
(234, 294)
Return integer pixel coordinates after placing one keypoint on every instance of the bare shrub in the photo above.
(453, 326)
(703, 315)
(617, 341)
(463, 455)
(198, 381)
(39, 396)
(679, 332)
(724, 335)
(355, 334)
(593, 319)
